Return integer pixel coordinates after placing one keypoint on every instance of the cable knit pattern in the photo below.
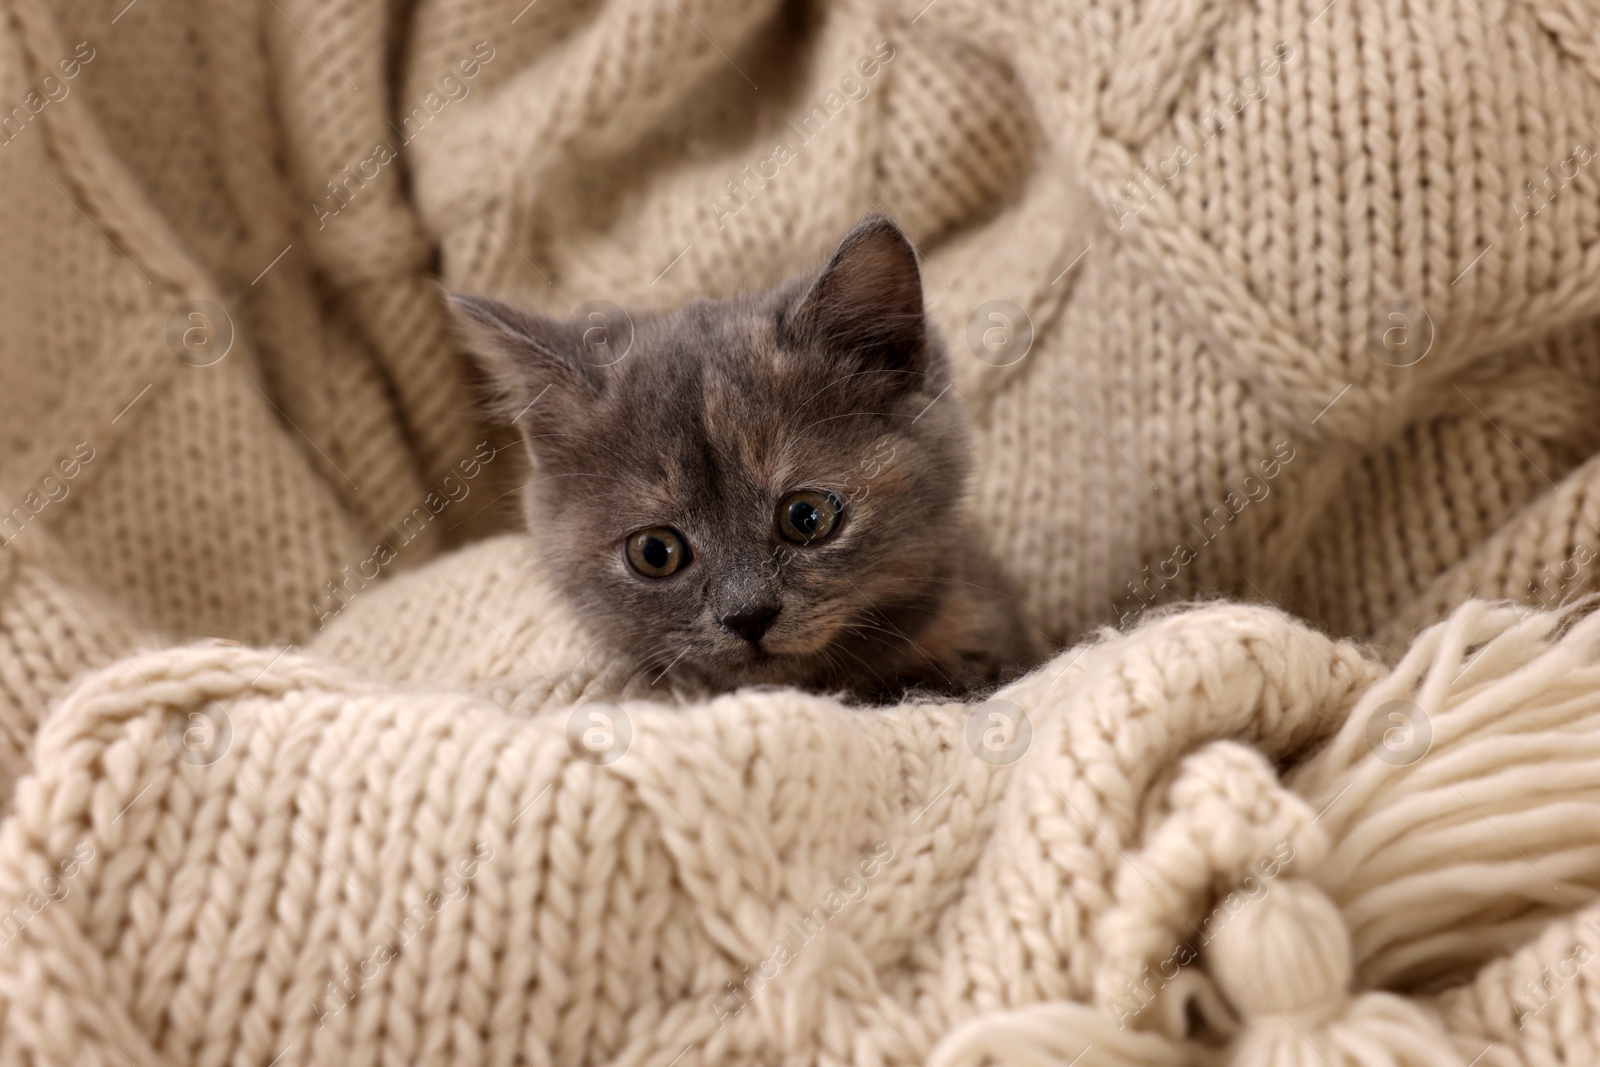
(1207, 217)
(1195, 844)
(1309, 292)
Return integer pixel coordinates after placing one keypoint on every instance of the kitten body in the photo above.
(822, 409)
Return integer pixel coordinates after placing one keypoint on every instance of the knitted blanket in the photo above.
(374, 853)
(1285, 302)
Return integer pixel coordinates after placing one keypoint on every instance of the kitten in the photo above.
(766, 488)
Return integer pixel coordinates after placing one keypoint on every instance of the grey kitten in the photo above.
(765, 488)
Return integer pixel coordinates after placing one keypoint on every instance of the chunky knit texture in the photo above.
(1310, 292)
(412, 870)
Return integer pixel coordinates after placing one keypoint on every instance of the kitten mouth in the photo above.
(765, 653)
(774, 650)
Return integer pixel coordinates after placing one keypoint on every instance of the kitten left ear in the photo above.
(868, 299)
(524, 353)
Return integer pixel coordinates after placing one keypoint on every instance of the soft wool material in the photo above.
(404, 870)
(228, 381)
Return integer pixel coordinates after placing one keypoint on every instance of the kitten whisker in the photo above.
(857, 374)
(648, 660)
(877, 675)
(852, 414)
(575, 474)
(951, 581)
(668, 667)
(585, 500)
(914, 645)
(848, 337)
(575, 437)
(878, 635)
(486, 507)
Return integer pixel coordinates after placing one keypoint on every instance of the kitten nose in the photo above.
(753, 622)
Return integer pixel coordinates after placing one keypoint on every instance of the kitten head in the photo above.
(762, 486)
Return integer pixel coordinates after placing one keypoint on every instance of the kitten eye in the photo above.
(657, 552)
(809, 516)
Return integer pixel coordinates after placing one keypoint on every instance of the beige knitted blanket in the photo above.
(1277, 302)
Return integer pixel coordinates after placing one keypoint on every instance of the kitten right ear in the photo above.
(867, 301)
(525, 354)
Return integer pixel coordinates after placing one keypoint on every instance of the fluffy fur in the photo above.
(831, 382)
